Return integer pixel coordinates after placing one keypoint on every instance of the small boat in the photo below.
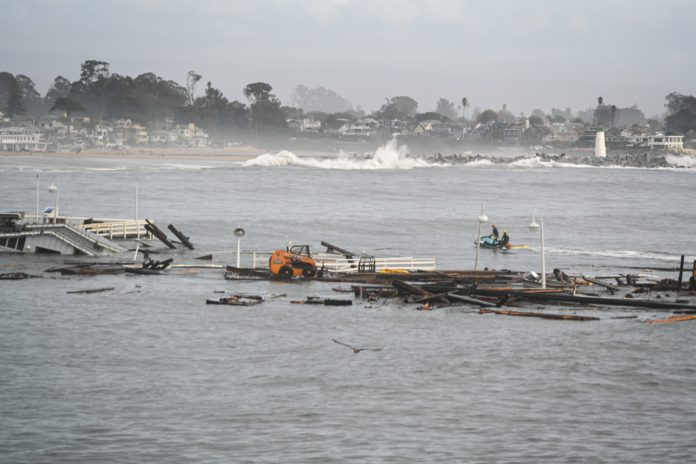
(493, 244)
(489, 242)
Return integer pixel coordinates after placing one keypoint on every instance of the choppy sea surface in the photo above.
(149, 373)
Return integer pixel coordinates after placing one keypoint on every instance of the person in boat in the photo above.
(494, 234)
(504, 240)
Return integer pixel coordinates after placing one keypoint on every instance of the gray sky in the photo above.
(527, 54)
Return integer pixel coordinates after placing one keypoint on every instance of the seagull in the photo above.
(356, 350)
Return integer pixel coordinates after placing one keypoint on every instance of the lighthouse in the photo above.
(600, 148)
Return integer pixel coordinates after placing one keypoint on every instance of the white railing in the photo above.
(340, 264)
(346, 265)
(111, 228)
(118, 229)
(80, 239)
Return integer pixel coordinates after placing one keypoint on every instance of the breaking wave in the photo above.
(481, 162)
(627, 254)
(535, 162)
(681, 161)
(388, 156)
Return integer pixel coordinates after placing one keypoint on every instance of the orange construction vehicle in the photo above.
(294, 262)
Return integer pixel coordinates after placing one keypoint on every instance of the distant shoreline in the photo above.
(234, 154)
(248, 152)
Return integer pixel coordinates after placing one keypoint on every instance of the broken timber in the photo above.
(313, 300)
(16, 276)
(157, 232)
(474, 301)
(566, 317)
(91, 290)
(671, 319)
(611, 288)
(184, 239)
(587, 300)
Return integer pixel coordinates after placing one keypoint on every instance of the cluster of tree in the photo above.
(18, 95)
(145, 99)
(148, 98)
(682, 113)
(319, 99)
(405, 108)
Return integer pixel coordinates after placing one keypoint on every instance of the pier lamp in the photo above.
(53, 189)
(482, 219)
(534, 227)
(239, 232)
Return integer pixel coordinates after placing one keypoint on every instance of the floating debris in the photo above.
(566, 317)
(323, 301)
(17, 276)
(237, 300)
(671, 319)
(91, 290)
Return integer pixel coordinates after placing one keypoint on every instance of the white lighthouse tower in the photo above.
(600, 148)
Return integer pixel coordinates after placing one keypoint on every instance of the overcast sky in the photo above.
(527, 54)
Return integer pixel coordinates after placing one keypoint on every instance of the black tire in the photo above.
(309, 272)
(285, 273)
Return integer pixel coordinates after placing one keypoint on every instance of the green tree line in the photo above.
(148, 99)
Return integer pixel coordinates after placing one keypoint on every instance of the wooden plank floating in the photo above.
(313, 300)
(474, 301)
(590, 300)
(565, 317)
(16, 276)
(91, 290)
(672, 319)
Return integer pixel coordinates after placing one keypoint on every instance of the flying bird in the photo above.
(355, 349)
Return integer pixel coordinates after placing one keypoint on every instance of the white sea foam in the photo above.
(480, 162)
(682, 161)
(186, 167)
(388, 156)
(282, 158)
(627, 254)
(536, 162)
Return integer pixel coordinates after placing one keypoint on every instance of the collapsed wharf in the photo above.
(492, 288)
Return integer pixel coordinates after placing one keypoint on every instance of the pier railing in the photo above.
(110, 228)
(340, 264)
(81, 240)
(350, 265)
(118, 229)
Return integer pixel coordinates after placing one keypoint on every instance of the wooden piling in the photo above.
(681, 273)
(184, 239)
(157, 232)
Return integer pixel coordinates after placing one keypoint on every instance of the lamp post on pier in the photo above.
(53, 189)
(482, 219)
(239, 232)
(36, 217)
(534, 227)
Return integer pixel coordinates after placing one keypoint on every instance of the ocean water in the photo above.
(149, 373)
